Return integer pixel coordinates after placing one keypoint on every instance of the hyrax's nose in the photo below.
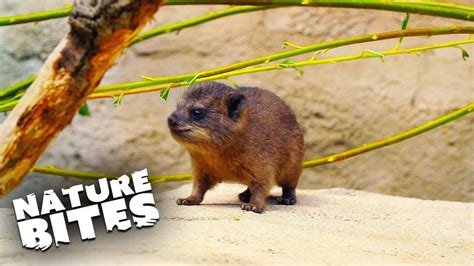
(172, 120)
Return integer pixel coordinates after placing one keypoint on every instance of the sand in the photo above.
(326, 226)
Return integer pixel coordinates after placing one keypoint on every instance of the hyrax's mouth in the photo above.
(180, 130)
(181, 133)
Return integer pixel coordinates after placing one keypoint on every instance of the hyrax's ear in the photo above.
(235, 104)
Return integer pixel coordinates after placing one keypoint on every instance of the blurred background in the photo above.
(340, 106)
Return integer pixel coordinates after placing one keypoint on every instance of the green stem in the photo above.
(232, 70)
(393, 139)
(12, 89)
(35, 17)
(424, 7)
(308, 164)
(363, 55)
(51, 170)
(195, 21)
(286, 54)
(5, 107)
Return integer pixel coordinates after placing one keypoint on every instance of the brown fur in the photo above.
(249, 136)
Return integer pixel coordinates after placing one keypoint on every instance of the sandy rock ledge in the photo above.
(326, 226)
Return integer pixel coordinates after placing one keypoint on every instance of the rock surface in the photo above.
(331, 226)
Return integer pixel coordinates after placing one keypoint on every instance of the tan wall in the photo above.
(340, 106)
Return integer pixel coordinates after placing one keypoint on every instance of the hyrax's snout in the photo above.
(173, 120)
(177, 124)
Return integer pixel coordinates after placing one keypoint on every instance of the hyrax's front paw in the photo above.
(251, 207)
(188, 201)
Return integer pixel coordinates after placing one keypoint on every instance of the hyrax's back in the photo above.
(274, 133)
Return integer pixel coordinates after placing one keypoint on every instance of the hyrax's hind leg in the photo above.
(288, 196)
(245, 196)
(288, 182)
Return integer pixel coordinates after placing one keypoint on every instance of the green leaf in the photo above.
(287, 62)
(299, 70)
(18, 96)
(465, 55)
(405, 21)
(118, 100)
(84, 110)
(374, 53)
(233, 83)
(192, 80)
(287, 43)
(165, 93)
(316, 54)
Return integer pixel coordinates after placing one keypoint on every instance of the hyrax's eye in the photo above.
(197, 113)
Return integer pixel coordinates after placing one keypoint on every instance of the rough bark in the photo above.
(100, 30)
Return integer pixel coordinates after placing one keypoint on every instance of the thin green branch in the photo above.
(291, 53)
(213, 74)
(195, 21)
(424, 7)
(36, 17)
(363, 55)
(308, 164)
(12, 89)
(393, 139)
(51, 170)
(296, 65)
(5, 107)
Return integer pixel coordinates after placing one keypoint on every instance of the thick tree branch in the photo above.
(100, 30)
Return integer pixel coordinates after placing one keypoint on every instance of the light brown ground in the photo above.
(326, 226)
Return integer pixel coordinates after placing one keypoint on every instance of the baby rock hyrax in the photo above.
(247, 135)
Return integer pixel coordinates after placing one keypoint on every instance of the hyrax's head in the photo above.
(208, 117)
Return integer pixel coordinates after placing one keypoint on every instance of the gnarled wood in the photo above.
(100, 30)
